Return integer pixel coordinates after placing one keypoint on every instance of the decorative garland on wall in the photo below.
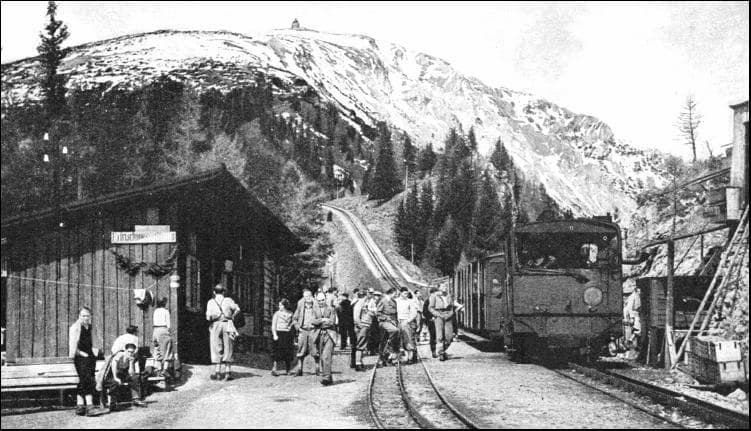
(154, 269)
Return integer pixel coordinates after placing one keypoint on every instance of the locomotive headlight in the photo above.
(593, 296)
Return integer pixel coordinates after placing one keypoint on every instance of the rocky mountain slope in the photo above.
(582, 165)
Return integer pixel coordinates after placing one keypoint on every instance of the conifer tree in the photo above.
(446, 248)
(409, 154)
(426, 159)
(500, 159)
(426, 204)
(488, 224)
(385, 182)
(424, 223)
(472, 139)
(51, 54)
(412, 213)
(401, 229)
(461, 198)
(366, 178)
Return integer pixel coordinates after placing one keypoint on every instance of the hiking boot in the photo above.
(139, 403)
(214, 376)
(443, 357)
(274, 373)
(228, 377)
(80, 410)
(327, 381)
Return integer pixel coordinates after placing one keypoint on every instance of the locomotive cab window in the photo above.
(565, 250)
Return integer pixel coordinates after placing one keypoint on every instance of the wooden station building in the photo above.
(105, 252)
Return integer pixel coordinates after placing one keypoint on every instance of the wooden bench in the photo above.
(59, 377)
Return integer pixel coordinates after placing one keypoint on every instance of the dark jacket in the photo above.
(324, 327)
(387, 311)
(344, 311)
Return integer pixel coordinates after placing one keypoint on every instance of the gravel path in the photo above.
(510, 395)
(254, 400)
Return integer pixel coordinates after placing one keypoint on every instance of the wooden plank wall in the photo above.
(54, 273)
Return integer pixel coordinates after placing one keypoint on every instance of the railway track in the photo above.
(407, 397)
(704, 412)
(389, 273)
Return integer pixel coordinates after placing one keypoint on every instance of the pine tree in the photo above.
(51, 54)
(412, 214)
(461, 196)
(53, 90)
(329, 167)
(409, 154)
(401, 229)
(385, 182)
(426, 204)
(488, 224)
(366, 178)
(501, 160)
(446, 248)
(424, 221)
(472, 139)
(426, 159)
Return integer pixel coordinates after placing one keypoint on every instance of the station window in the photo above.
(565, 250)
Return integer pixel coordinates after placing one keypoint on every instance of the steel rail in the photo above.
(617, 397)
(457, 413)
(689, 405)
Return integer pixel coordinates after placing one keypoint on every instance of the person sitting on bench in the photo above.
(122, 373)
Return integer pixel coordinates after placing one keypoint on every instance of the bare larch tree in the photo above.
(688, 121)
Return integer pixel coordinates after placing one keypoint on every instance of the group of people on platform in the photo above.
(372, 322)
(122, 369)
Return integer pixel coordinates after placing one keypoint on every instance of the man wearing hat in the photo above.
(387, 319)
(306, 338)
(346, 323)
(363, 319)
(324, 323)
(375, 329)
(221, 310)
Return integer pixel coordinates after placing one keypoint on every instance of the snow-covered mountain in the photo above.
(578, 159)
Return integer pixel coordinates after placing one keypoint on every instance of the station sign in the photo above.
(143, 237)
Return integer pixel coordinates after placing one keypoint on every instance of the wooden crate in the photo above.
(711, 372)
(715, 349)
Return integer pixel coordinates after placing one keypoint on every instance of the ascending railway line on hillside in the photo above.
(374, 257)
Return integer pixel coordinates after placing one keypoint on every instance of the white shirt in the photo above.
(406, 309)
(161, 317)
(123, 340)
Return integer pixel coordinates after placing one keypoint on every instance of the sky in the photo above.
(631, 64)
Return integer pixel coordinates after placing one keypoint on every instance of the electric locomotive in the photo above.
(555, 286)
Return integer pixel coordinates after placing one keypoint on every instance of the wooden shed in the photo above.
(204, 229)
(688, 292)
